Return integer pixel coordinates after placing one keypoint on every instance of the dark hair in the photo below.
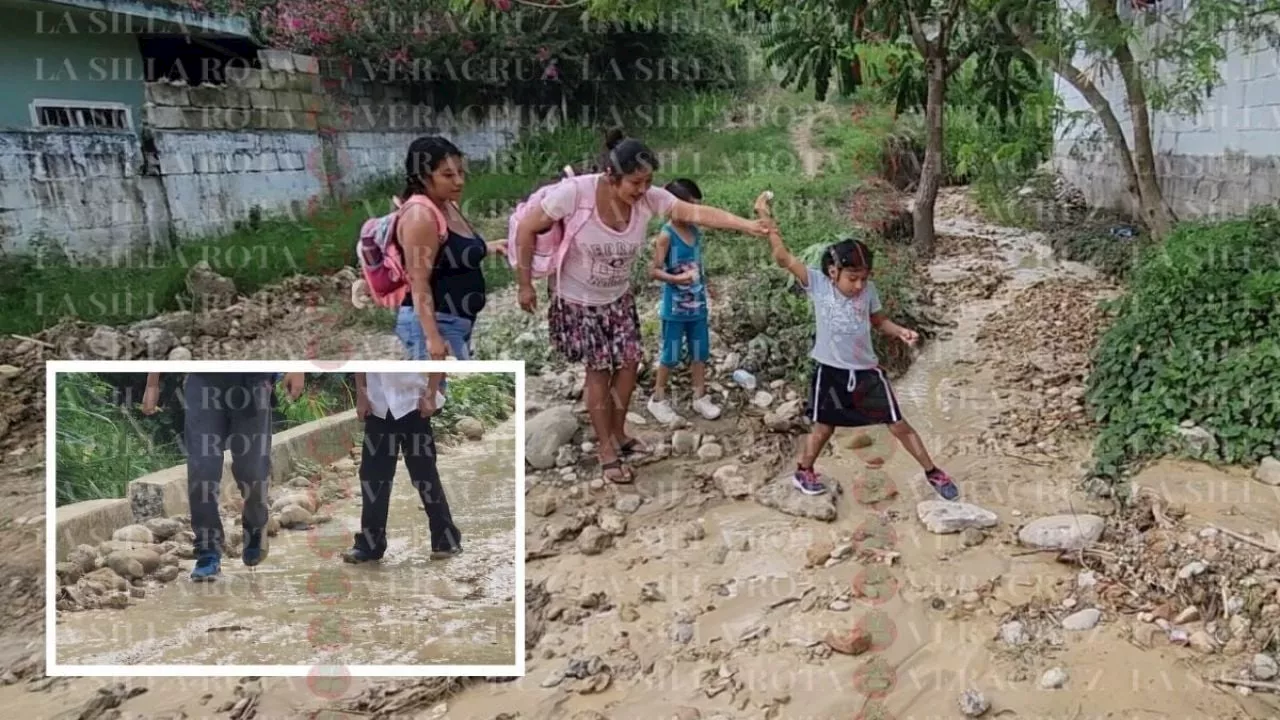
(624, 155)
(847, 254)
(685, 189)
(425, 155)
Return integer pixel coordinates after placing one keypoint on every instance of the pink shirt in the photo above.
(597, 266)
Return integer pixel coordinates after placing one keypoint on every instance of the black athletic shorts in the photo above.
(844, 398)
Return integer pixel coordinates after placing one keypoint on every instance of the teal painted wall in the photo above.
(51, 51)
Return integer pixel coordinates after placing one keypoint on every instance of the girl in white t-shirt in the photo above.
(593, 317)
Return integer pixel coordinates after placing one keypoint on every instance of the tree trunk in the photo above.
(1155, 214)
(931, 170)
(1090, 92)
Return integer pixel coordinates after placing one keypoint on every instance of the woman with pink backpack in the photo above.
(603, 221)
(424, 259)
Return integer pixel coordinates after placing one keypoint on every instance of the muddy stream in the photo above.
(304, 606)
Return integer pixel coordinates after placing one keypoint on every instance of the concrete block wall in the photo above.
(279, 139)
(1218, 163)
(84, 194)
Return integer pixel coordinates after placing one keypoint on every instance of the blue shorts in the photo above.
(678, 334)
(455, 330)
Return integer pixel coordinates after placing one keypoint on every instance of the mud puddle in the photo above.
(303, 605)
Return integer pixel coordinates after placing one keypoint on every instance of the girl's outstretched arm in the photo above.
(781, 255)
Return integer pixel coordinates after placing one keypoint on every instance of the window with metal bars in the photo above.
(80, 115)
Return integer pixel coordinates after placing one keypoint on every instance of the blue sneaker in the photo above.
(207, 567)
(807, 482)
(942, 484)
(255, 547)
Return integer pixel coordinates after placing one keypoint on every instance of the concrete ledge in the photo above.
(164, 493)
(90, 522)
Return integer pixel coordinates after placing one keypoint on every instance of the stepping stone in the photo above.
(1062, 532)
(943, 517)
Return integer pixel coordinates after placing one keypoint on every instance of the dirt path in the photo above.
(811, 157)
(306, 607)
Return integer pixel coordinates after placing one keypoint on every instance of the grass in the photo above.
(103, 442)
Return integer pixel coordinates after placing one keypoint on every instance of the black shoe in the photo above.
(355, 556)
(255, 547)
(442, 554)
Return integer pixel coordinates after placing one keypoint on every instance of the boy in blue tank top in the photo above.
(677, 261)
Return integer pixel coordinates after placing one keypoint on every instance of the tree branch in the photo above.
(917, 34)
(1087, 89)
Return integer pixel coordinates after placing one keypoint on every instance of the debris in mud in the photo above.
(973, 703)
(1042, 342)
(404, 698)
(102, 706)
(781, 496)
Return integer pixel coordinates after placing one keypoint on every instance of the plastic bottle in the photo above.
(744, 379)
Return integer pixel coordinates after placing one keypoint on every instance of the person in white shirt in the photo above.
(397, 409)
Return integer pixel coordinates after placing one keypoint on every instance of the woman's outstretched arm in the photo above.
(706, 216)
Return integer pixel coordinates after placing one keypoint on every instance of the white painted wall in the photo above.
(84, 192)
(1220, 162)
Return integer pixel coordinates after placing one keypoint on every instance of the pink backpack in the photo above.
(381, 256)
(551, 246)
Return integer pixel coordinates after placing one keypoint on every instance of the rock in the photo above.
(594, 540)
(294, 517)
(780, 419)
(109, 344)
(163, 528)
(149, 559)
(611, 522)
(693, 531)
(684, 442)
(1202, 642)
(273, 526)
(972, 537)
(85, 557)
(852, 642)
(179, 354)
(69, 573)
(471, 428)
(124, 566)
(566, 457)
(168, 573)
(942, 517)
(710, 451)
(304, 500)
(682, 633)
(687, 713)
(9, 372)
(860, 441)
(109, 578)
(781, 496)
(973, 703)
(134, 534)
(1268, 471)
(1013, 633)
(729, 480)
(627, 503)
(543, 504)
(1197, 442)
(1053, 678)
(762, 399)
(157, 342)
(546, 432)
(1191, 569)
(1263, 667)
(1062, 532)
(1086, 619)
(818, 552)
(208, 288)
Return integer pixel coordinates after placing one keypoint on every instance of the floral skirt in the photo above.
(605, 338)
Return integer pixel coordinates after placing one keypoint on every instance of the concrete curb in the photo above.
(164, 493)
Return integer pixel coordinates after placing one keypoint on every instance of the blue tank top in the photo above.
(684, 302)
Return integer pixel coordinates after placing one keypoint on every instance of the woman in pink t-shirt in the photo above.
(593, 317)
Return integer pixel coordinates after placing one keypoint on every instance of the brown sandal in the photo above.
(623, 474)
(633, 448)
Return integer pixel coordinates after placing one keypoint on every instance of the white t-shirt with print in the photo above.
(842, 338)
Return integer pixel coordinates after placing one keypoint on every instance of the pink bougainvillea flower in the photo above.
(503, 5)
(551, 73)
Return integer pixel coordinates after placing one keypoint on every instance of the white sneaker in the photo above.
(706, 408)
(662, 412)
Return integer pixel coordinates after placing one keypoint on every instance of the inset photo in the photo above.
(268, 519)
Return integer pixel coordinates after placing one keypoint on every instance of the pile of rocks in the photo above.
(1042, 342)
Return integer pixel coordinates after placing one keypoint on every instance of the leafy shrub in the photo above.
(487, 397)
(1197, 338)
(1114, 257)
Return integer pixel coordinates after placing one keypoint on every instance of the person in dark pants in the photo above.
(397, 410)
(227, 412)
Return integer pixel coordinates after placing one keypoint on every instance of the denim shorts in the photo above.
(455, 330)
(679, 334)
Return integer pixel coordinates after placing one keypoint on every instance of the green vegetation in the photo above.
(103, 442)
(1197, 338)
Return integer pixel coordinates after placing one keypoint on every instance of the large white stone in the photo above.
(944, 517)
(1062, 532)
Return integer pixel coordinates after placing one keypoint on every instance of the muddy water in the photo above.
(303, 605)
